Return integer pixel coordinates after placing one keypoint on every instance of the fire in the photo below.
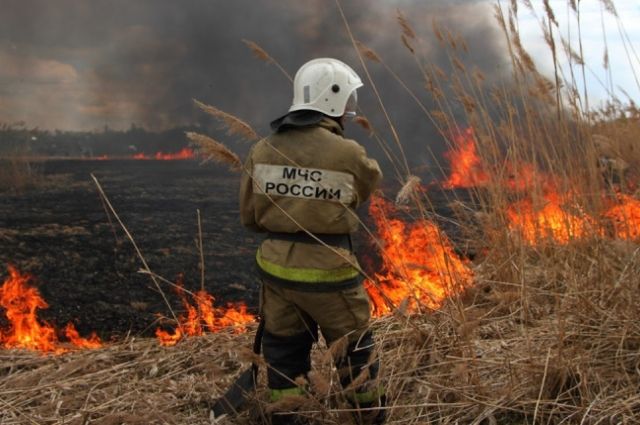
(72, 335)
(549, 222)
(419, 264)
(26, 331)
(203, 316)
(466, 168)
(625, 217)
(184, 153)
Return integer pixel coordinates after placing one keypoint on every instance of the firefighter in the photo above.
(301, 186)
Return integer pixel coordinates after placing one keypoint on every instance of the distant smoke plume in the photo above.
(76, 64)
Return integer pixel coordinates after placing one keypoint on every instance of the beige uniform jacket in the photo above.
(309, 178)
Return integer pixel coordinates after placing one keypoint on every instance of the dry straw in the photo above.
(368, 52)
(547, 335)
(263, 55)
(408, 190)
(212, 150)
(234, 125)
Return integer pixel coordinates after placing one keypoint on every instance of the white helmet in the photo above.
(326, 85)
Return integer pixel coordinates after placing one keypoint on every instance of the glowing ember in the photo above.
(549, 222)
(203, 316)
(625, 216)
(26, 331)
(466, 168)
(418, 263)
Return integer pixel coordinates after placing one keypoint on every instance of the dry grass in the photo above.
(234, 125)
(560, 346)
(18, 174)
(211, 150)
(132, 382)
(548, 334)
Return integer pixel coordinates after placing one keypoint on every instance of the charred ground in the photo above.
(85, 267)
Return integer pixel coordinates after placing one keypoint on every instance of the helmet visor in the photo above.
(352, 104)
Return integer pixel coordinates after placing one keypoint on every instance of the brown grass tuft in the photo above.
(407, 30)
(406, 43)
(211, 150)
(320, 385)
(610, 7)
(368, 53)
(409, 189)
(364, 123)
(549, 11)
(235, 126)
(435, 27)
(17, 174)
(258, 51)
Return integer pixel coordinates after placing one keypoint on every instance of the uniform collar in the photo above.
(306, 118)
(331, 125)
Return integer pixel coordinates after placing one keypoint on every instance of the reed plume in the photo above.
(212, 150)
(411, 185)
(368, 52)
(234, 125)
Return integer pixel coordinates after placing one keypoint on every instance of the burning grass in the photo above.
(20, 302)
(542, 327)
(201, 316)
(562, 345)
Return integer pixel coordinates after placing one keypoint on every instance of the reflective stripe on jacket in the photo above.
(308, 178)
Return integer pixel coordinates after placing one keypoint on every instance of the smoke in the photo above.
(73, 64)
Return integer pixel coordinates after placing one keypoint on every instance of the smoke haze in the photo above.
(81, 65)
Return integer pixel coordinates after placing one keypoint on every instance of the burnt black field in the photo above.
(86, 268)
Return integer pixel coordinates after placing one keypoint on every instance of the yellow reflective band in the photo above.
(277, 395)
(367, 396)
(297, 274)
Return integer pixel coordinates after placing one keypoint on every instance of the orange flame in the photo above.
(419, 264)
(74, 337)
(26, 331)
(204, 316)
(550, 222)
(625, 217)
(184, 153)
(466, 168)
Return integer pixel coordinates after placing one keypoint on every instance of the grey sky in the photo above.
(80, 64)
